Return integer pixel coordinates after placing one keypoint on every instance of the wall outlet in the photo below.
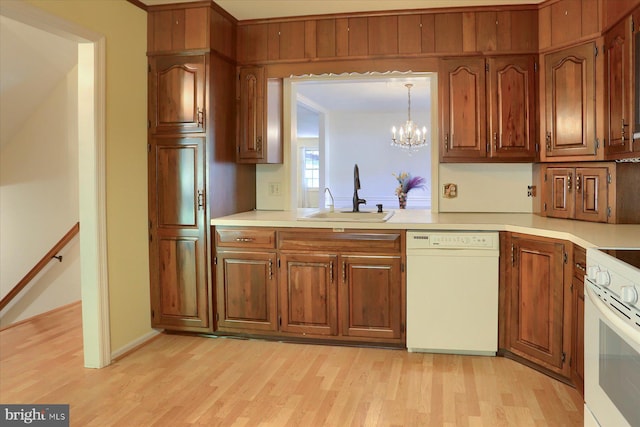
(450, 191)
(274, 189)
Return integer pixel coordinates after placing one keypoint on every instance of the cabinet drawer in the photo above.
(246, 238)
(360, 242)
(579, 262)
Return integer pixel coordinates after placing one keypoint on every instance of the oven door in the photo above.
(612, 365)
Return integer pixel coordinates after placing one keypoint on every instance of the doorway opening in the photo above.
(91, 170)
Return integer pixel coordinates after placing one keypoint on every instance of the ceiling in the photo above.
(32, 63)
(260, 9)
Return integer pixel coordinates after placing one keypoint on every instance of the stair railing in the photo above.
(53, 253)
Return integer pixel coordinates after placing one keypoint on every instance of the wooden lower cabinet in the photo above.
(538, 303)
(308, 294)
(246, 291)
(311, 284)
(371, 298)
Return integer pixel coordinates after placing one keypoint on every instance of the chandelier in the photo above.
(409, 136)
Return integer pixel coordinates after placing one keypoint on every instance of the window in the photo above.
(311, 164)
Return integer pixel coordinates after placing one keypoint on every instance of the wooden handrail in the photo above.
(40, 265)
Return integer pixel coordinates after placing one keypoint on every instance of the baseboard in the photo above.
(37, 316)
(134, 345)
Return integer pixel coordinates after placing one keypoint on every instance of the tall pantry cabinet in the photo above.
(192, 174)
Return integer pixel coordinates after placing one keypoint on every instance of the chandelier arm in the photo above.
(409, 102)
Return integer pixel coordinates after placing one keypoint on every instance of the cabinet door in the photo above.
(537, 301)
(560, 192)
(619, 88)
(178, 230)
(591, 194)
(246, 291)
(177, 93)
(463, 109)
(308, 294)
(511, 92)
(371, 297)
(252, 114)
(570, 101)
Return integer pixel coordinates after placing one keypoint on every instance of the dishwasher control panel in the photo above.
(452, 240)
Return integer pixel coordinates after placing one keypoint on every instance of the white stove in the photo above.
(612, 338)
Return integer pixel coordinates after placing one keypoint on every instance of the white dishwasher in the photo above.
(452, 292)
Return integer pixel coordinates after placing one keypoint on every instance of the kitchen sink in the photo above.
(347, 216)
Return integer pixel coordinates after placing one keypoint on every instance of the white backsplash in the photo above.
(481, 187)
(486, 187)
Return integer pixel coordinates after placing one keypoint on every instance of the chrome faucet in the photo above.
(326, 190)
(357, 201)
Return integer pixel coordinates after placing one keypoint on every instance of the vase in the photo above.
(402, 200)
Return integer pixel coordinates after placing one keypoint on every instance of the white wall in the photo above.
(365, 139)
(39, 204)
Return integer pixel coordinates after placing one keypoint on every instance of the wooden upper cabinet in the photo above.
(618, 51)
(577, 193)
(179, 29)
(591, 194)
(325, 38)
(252, 43)
(567, 21)
(410, 34)
(252, 137)
(383, 35)
(511, 94)
(352, 36)
(286, 40)
(570, 102)
(463, 103)
(488, 109)
(260, 117)
(448, 31)
(177, 87)
(561, 200)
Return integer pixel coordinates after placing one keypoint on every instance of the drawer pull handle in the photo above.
(580, 266)
(244, 239)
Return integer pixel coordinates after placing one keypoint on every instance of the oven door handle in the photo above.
(606, 313)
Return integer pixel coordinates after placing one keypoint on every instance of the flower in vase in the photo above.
(406, 182)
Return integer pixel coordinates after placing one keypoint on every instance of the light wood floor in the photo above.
(183, 381)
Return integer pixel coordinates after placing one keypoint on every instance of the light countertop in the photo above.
(585, 234)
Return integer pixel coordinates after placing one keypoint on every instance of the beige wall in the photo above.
(125, 28)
